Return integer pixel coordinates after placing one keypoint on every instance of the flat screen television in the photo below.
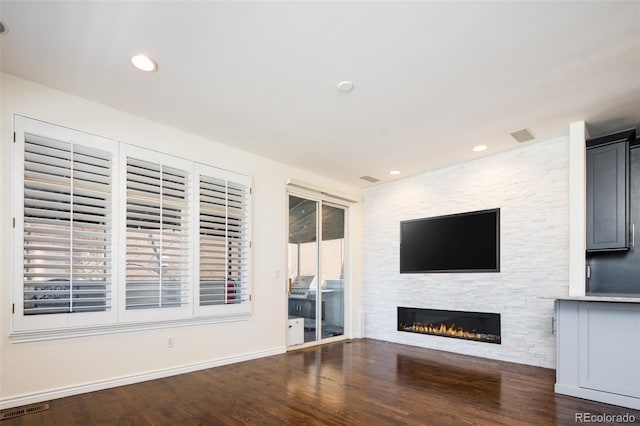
(463, 242)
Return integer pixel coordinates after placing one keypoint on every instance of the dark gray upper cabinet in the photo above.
(608, 194)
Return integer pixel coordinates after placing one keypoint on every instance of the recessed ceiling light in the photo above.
(394, 172)
(479, 148)
(345, 86)
(143, 62)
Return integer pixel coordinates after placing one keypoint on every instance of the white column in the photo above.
(577, 208)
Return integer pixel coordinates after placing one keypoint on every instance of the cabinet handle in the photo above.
(633, 235)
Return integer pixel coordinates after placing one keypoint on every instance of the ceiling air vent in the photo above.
(523, 135)
(370, 179)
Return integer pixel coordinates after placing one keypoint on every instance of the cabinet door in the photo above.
(609, 341)
(607, 196)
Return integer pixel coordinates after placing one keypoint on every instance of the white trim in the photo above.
(68, 333)
(62, 392)
(593, 395)
(324, 194)
(17, 237)
(314, 343)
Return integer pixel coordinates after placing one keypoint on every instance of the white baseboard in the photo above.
(599, 396)
(32, 398)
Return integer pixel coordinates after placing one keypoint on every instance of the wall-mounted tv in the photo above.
(463, 242)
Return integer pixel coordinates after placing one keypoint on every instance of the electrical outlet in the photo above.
(171, 342)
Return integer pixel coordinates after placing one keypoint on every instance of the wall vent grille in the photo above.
(23, 411)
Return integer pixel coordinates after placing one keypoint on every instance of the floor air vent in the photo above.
(23, 411)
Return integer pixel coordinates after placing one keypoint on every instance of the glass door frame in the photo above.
(322, 200)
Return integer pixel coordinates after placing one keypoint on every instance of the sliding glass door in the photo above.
(332, 249)
(316, 269)
(303, 266)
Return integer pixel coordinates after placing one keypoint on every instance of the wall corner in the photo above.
(577, 207)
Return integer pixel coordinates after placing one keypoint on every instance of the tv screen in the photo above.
(464, 242)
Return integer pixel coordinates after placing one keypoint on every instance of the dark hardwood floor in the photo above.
(362, 382)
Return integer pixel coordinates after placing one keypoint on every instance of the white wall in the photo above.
(530, 186)
(40, 370)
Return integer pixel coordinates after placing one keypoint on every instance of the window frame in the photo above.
(116, 319)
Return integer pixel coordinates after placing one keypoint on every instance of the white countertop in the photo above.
(618, 298)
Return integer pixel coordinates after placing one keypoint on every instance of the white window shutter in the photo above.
(224, 239)
(67, 228)
(66, 225)
(158, 237)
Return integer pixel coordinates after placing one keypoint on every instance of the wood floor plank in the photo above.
(360, 382)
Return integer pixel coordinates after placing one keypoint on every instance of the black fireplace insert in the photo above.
(477, 326)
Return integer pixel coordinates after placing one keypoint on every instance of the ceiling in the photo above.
(302, 221)
(431, 79)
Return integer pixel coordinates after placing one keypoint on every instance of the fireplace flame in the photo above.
(447, 328)
(443, 330)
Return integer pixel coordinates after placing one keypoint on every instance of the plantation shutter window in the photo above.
(110, 237)
(157, 236)
(224, 241)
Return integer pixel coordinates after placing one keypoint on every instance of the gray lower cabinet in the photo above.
(301, 308)
(607, 196)
(599, 351)
(305, 308)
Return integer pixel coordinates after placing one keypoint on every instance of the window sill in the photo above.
(68, 333)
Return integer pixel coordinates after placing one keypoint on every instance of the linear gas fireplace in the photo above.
(478, 326)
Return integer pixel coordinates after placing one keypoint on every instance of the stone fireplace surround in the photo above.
(530, 185)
